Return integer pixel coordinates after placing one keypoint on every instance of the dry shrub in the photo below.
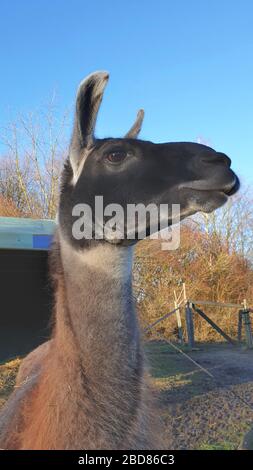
(210, 272)
(8, 208)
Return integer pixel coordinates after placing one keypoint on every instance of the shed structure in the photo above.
(25, 290)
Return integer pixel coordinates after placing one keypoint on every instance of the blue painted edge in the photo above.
(42, 242)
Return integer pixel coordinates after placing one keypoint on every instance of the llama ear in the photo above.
(89, 97)
(136, 127)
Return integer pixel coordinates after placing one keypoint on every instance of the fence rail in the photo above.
(215, 304)
(189, 305)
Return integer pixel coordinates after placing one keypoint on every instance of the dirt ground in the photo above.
(199, 412)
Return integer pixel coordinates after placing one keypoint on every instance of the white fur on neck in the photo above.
(115, 261)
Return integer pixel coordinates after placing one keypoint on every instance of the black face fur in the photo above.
(130, 171)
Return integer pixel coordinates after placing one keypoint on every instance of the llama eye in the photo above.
(116, 157)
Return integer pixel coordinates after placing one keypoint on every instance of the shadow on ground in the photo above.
(201, 412)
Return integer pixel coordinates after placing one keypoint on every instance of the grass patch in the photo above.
(8, 374)
(159, 364)
(226, 445)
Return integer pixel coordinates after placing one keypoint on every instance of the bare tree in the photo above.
(232, 224)
(29, 170)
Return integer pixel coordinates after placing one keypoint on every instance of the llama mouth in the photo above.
(228, 190)
(207, 199)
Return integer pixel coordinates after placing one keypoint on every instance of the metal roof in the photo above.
(26, 234)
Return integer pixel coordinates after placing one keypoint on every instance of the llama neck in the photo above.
(92, 391)
(101, 314)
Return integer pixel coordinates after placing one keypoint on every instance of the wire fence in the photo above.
(191, 310)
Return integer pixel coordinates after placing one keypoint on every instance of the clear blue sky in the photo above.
(188, 63)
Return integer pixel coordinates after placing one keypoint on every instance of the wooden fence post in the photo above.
(179, 326)
(189, 325)
(211, 322)
(179, 322)
(247, 326)
(239, 334)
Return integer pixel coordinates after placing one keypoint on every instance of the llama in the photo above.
(87, 387)
(247, 441)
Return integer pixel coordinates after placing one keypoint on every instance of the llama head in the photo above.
(128, 171)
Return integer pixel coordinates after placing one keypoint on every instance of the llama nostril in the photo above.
(224, 158)
(216, 158)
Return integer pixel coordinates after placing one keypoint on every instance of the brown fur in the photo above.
(86, 387)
